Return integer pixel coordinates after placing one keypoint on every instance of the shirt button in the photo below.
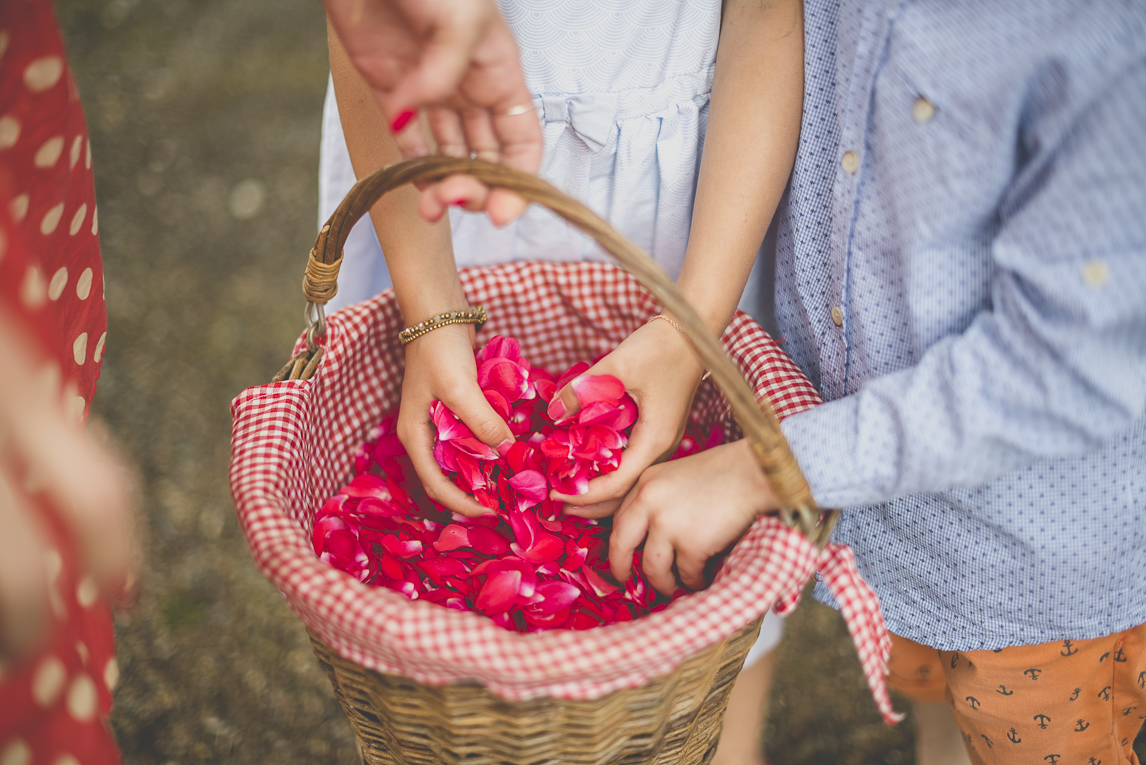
(922, 110)
(850, 162)
(837, 316)
(1094, 272)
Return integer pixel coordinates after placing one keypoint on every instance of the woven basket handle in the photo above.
(758, 422)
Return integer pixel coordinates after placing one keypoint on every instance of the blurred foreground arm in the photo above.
(45, 456)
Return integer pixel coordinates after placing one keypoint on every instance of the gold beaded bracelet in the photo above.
(475, 315)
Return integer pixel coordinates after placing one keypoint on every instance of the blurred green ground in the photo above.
(204, 120)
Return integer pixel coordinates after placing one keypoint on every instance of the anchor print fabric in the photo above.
(1070, 701)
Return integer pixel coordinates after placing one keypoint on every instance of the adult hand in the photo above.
(660, 371)
(686, 511)
(440, 366)
(47, 457)
(457, 59)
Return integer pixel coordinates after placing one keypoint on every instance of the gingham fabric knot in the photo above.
(860, 608)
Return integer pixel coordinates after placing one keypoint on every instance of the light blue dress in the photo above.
(622, 89)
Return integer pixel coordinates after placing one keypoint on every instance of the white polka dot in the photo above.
(80, 348)
(19, 207)
(16, 752)
(74, 155)
(43, 73)
(82, 698)
(95, 221)
(99, 348)
(54, 563)
(65, 759)
(111, 674)
(59, 281)
(88, 158)
(75, 408)
(49, 152)
(84, 284)
(48, 681)
(9, 131)
(78, 219)
(33, 292)
(82, 650)
(51, 219)
(87, 591)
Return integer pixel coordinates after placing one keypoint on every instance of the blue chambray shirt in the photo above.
(961, 270)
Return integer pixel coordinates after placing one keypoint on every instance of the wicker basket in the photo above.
(672, 719)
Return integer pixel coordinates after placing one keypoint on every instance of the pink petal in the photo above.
(452, 537)
(546, 547)
(592, 388)
(499, 403)
(557, 595)
(599, 584)
(505, 377)
(531, 485)
(367, 485)
(402, 548)
(499, 592)
(446, 455)
(487, 541)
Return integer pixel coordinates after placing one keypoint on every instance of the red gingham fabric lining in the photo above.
(293, 443)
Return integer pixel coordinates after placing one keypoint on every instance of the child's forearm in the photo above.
(419, 255)
(753, 132)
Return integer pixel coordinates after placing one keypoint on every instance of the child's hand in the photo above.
(689, 509)
(660, 371)
(440, 367)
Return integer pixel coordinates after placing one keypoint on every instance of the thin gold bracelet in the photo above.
(476, 316)
(677, 327)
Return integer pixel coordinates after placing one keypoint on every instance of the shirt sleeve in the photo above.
(1055, 368)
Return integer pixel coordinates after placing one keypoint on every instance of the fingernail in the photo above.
(556, 410)
(401, 121)
(503, 447)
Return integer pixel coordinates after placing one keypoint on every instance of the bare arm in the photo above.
(419, 254)
(749, 149)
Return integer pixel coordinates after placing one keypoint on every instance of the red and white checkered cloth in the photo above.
(293, 445)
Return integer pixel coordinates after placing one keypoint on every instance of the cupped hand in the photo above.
(660, 371)
(687, 511)
(440, 367)
(457, 60)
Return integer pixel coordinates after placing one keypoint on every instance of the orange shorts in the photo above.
(1064, 702)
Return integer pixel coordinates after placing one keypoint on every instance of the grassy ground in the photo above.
(204, 120)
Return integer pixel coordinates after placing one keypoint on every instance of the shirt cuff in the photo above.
(823, 441)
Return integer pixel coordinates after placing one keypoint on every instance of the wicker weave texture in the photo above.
(674, 720)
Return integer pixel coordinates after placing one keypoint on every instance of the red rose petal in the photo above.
(499, 592)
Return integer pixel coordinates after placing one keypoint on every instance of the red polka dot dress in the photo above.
(53, 705)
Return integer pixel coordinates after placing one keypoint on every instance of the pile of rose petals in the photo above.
(529, 567)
